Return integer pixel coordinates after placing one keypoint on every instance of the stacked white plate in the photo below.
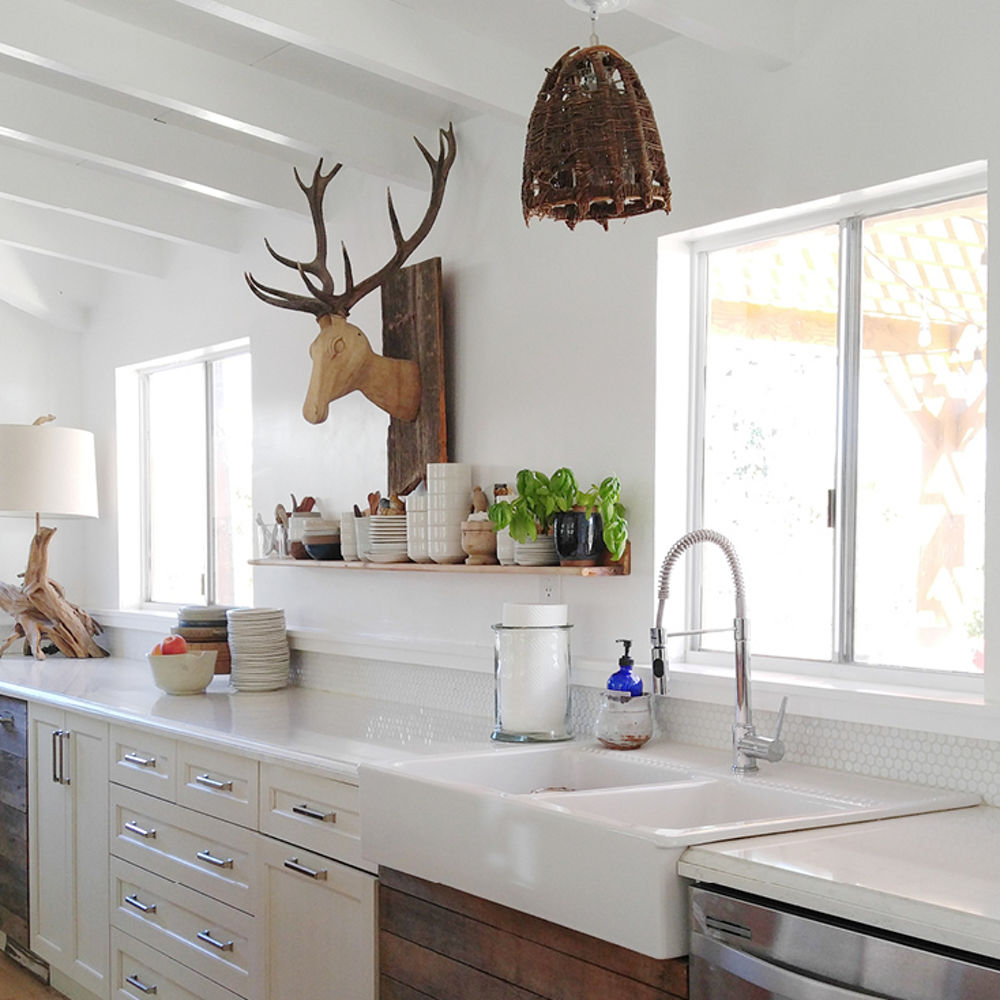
(259, 648)
(387, 538)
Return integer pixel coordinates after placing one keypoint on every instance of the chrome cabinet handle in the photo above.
(135, 901)
(59, 739)
(135, 758)
(206, 936)
(306, 810)
(133, 827)
(208, 856)
(292, 864)
(64, 735)
(135, 981)
(7, 721)
(209, 782)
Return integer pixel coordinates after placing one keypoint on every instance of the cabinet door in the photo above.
(68, 845)
(320, 929)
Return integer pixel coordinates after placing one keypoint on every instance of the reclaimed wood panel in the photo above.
(413, 329)
(442, 926)
(14, 741)
(13, 782)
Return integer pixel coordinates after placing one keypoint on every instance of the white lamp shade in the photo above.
(47, 470)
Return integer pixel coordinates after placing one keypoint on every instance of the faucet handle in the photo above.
(773, 747)
(769, 748)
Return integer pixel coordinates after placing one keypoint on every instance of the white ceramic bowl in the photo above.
(449, 470)
(183, 673)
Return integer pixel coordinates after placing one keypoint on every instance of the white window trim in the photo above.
(945, 702)
(130, 456)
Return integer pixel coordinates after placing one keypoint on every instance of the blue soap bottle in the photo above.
(623, 679)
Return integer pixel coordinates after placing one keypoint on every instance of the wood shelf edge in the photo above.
(613, 569)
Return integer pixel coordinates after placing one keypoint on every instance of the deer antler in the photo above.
(322, 299)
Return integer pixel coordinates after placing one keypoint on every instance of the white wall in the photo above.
(41, 367)
(552, 333)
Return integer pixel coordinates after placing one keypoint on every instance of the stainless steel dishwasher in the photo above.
(743, 948)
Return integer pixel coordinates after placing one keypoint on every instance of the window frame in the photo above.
(134, 380)
(685, 292)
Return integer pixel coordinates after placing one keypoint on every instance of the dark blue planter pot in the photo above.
(579, 537)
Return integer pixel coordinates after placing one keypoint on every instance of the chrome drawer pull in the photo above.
(206, 936)
(140, 985)
(135, 758)
(133, 827)
(7, 721)
(135, 901)
(208, 856)
(305, 810)
(222, 786)
(292, 864)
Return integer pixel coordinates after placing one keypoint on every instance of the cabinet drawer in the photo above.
(318, 812)
(213, 939)
(218, 783)
(139, 972)
(144, 761)
(203, 853)
(304, 889)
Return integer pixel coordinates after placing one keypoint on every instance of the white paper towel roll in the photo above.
(534, 615)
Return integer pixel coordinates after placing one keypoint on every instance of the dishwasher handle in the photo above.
(776, 979)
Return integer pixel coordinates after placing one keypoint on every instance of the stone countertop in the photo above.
(334, 733)
(934, 876)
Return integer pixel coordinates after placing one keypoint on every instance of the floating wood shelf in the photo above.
(615, 569)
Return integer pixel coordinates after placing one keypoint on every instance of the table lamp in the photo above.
(48, 471)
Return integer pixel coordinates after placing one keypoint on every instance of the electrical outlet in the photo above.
(550, 590)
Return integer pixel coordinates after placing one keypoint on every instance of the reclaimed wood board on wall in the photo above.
(413, 328)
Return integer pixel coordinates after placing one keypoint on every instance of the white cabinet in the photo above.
(319, 926)
(68, 836)
(196, 881)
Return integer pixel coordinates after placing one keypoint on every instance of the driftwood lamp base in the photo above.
(41, 612)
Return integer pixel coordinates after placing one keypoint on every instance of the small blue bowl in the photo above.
(323, 550)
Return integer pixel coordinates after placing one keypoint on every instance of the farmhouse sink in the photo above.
(590, 838)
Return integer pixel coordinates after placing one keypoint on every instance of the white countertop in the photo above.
(934, 876)
(301, 725)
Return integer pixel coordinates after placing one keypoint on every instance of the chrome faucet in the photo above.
(748, 747)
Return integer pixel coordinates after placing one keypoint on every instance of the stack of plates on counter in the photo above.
(387, 538)
(259, 648)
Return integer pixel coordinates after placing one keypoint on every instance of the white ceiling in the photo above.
(126, 125)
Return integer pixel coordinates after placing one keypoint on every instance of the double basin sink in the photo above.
(590, 838)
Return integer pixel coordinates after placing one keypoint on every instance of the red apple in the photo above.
(171, 645)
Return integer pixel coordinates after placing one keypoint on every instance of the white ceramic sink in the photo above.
(590, 838)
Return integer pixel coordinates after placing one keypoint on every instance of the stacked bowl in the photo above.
(416, 527)
(449, 502)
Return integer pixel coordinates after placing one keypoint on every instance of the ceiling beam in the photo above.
(241, 103)
(57, 121)
(20, 290)
(763, 31)
(84, 241)
(120, 201)
(393, 41)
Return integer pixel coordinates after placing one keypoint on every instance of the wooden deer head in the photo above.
(342, 356)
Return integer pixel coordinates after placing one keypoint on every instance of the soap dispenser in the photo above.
(623, 679)
(625, 721)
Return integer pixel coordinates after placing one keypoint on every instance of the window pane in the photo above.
(921, 449)
(177, 484)
(232, 487)
(770, 433)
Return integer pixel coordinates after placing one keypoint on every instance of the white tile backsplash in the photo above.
(971, 765)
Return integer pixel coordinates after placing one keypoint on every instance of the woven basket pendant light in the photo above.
(593, 150)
